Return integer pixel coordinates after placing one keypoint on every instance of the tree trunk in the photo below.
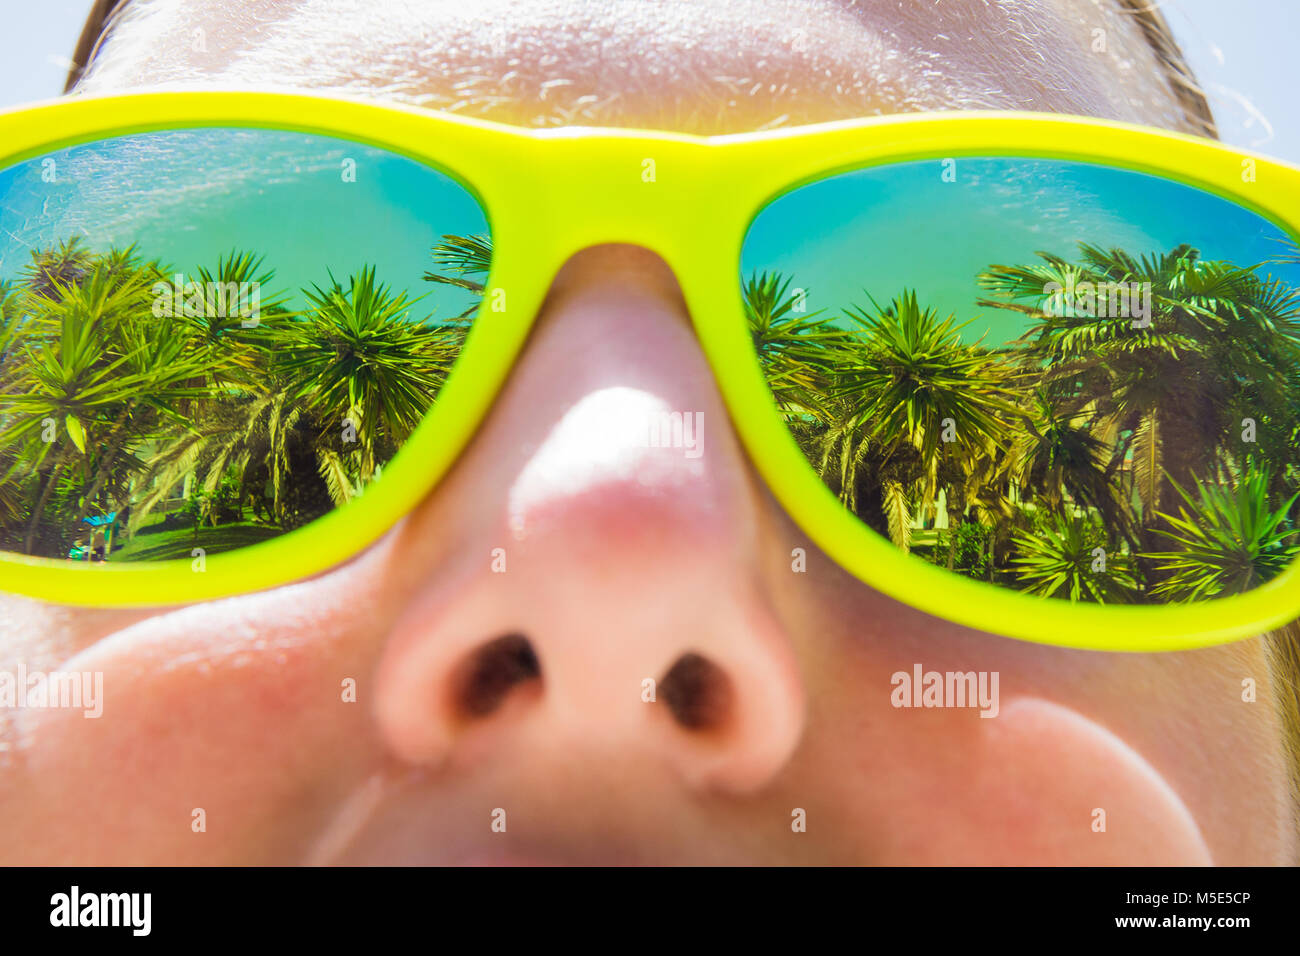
(44, 499)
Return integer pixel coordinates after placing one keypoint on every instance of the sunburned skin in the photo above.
(623, 561)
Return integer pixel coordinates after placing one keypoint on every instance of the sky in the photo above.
(188, 198)
(873, 233)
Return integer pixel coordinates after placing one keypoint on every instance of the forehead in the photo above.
(694, 66)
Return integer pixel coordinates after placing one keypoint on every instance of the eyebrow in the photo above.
(106, 14)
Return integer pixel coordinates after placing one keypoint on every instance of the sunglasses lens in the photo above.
(210, 337)
(1060, 378)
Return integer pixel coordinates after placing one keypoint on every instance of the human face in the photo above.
(625, 562)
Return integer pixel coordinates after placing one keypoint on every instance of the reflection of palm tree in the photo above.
(11, 315)
(11, 464)
(912, 379)
(1054, 453)
(1086, 429)
(237, 417)
(873, 477)
(356, 357)
(1083, 427)
(795, 348)
(461, 256)
(57, 267)
(308, 404)
(1162, 396)
(247, 434)
(989, 492)
(219, 323)
(158, 356)
(340, 384)
(890, 411)
(80, 371)
(1229, 539)
(1068, 559)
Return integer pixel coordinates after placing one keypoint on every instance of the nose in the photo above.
(599, 587)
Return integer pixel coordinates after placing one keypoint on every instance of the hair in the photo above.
(1282, 649)
(1151, 22)
(99, 24)
(1282, 646)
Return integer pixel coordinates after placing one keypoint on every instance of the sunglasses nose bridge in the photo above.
(664, 195)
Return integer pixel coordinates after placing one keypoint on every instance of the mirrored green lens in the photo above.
(1060, 378)
(210, 337)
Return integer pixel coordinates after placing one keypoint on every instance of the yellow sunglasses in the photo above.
(1032, 374)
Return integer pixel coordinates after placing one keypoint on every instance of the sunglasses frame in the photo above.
(547, 194)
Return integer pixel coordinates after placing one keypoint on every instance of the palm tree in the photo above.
(890, 410)
(318, 401)
(1163, 395)
(11, 317)
(1230, 539)
(57, 267)
(1060, 462)
(462, 256)
(158, 353)
(800, 354)
(76, 372)
(224, 333)
(796, 350)
(358, 356)
(1068, 559)
(910, 378)
(261, 436)
(874, 477)
(987, 489)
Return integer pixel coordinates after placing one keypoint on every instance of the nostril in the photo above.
(492, 672)
(697, 692)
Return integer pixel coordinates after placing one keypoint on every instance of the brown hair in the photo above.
(1190, 96)
(103, 14)
(1282, 648)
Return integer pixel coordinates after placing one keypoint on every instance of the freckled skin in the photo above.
(619, 564)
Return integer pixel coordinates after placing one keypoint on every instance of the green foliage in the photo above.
(911, 375)
(965, 548)
(1089, 437)
(1168, 395)
(1229, 539)
(796, 349)
(460, 257)
(104, 404)
(1071, 440)
(1069, 558)
(358, 354)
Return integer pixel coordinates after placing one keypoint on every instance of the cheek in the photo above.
(1033, 785)
(1046, 785)
(236, 709)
